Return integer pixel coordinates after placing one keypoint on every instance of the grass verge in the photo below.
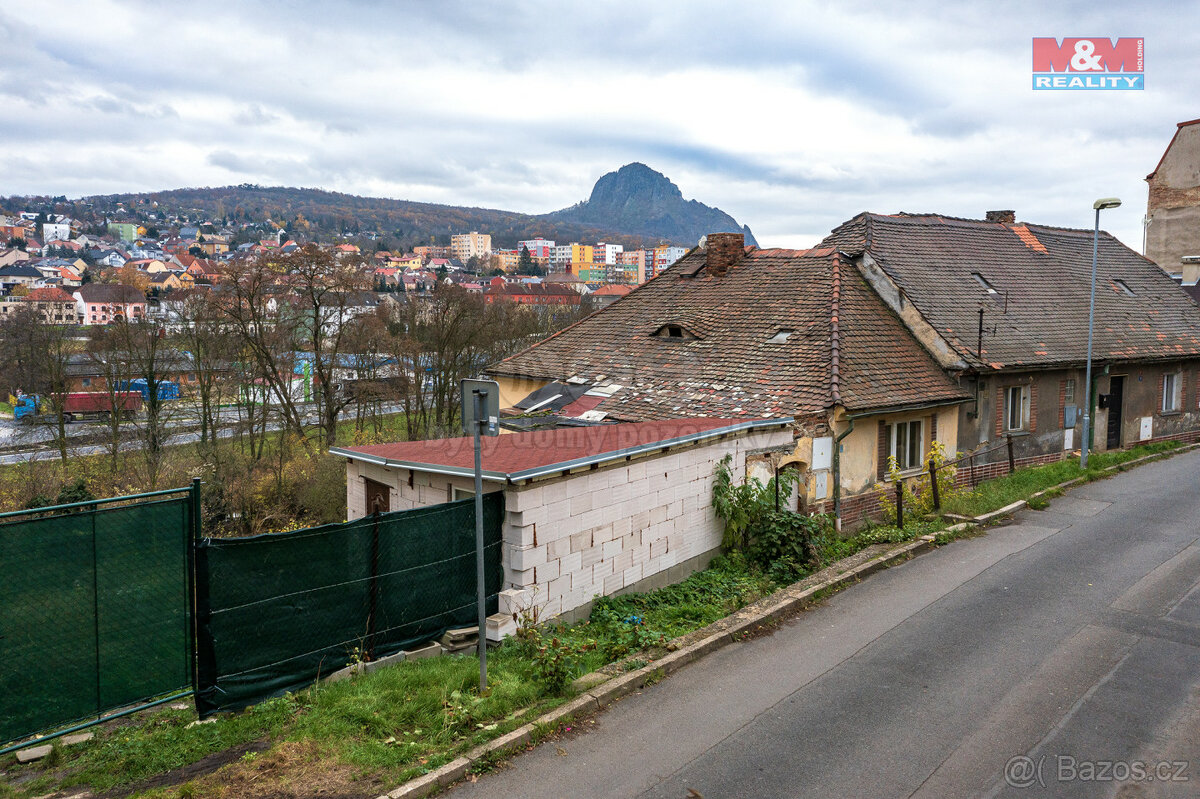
(994, 494)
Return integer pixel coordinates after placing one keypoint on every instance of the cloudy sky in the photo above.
(791, 116)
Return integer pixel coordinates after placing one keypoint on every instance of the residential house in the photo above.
(108, 257)
(148, 265)
(589, 511)
(165, 281)
(608, 294)
(1003, 306)
(12, 256)
(752, 334)
(56, 306)
(542, 294)
(1173, 206)
(20, 274)
(104, 303)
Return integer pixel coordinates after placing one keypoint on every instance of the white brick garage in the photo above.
(590, 511)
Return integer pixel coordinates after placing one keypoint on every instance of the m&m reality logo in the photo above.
(1089, 64)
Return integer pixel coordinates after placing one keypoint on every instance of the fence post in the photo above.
(933, 485)
(1011, 463)
(900, 504)
(373, 590)
(194, 536)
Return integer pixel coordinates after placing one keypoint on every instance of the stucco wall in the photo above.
(1142, 397)
(1173, 206)
(860, 455)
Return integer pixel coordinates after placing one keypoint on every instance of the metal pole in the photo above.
(1087, 382)
(477, 397)
(933, 485)
(1012, 465)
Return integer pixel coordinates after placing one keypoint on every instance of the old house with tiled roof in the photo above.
(56, 306)
(1004, 306)
(104, 303)
(531, 294)
(751, 334)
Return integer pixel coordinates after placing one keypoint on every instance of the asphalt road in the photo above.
(1071, 638)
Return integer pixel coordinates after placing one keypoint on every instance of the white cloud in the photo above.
(790, 116)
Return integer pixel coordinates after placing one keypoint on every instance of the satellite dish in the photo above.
(703, 241)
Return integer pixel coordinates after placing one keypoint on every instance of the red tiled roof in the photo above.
(759, 342)
(51, 294)
(512, 456)
(612, 289)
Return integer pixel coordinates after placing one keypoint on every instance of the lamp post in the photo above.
(1099, 205)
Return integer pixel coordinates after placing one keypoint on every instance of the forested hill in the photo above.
(635, 206)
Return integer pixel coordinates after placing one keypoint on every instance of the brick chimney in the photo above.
(723, 250)
(1007, 217)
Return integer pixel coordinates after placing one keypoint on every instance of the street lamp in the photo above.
(1099, 205)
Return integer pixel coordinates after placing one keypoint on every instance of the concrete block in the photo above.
(658, 548)
(581, 541)
(571, 563)
(613, 583)
(525, 558)
(519, 536)
(32, 753)
(611, 549)
(623, 559)
(632, 574)
(522, 499)
(515, 600)
(557, 548)
(557, 490)
(430, 650)
(594, 518)
(658, 514)
(390, 660)
(558, 512)
(546, 572)
(500, 626)
(559, 586)
(581, 503)
(637, 471)
(81, 737)
(602, 534)
(519, 579)
(590, 557)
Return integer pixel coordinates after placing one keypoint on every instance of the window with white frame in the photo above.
(1016, 407)
(908, 444)
(1170, 395)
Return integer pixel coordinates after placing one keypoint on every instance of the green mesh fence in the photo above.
(93, 610)
(276, 612)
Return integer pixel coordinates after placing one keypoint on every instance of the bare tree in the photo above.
(293, 311)
(37, 357)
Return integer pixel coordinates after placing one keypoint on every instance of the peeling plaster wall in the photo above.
(1173, 206)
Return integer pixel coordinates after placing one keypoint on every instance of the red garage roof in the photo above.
(522, 456)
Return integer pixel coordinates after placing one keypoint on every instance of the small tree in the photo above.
(524, 261)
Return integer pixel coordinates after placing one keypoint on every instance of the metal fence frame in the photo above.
(192, 494)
